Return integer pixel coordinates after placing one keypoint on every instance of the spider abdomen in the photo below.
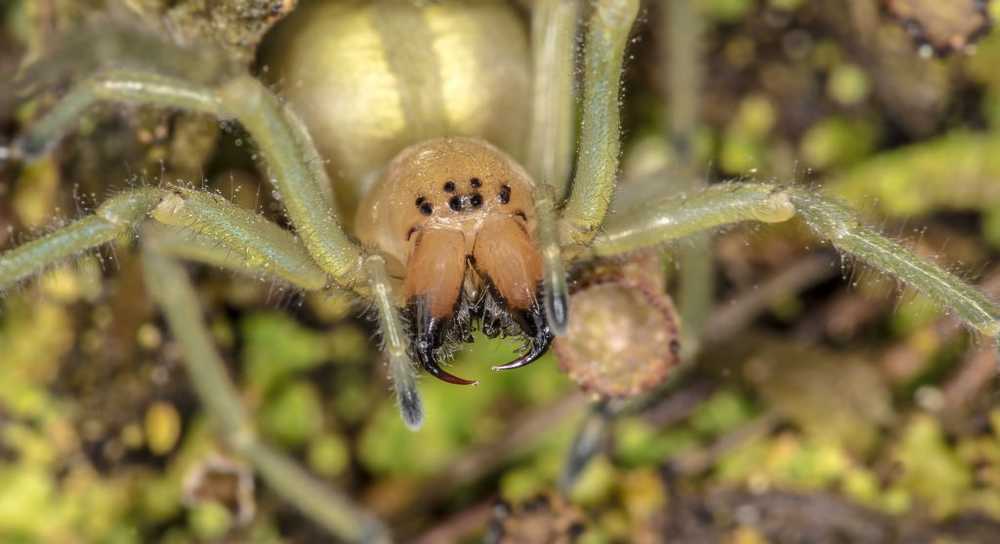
(371, 78)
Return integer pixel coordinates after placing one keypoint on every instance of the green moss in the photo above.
(276, 347)
(293, 415)
(931, 471)
(723, 411)
(837, 141)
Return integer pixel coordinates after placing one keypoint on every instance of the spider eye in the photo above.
(476, 200)
(475, 183)
(426, 208)
(455, 203)
(505, 194)
(449, 187)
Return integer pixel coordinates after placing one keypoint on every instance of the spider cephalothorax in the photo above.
(456, 217)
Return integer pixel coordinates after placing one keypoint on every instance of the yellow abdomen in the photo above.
(371, 78)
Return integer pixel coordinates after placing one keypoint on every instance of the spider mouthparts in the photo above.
(428, 338)
(533, 324)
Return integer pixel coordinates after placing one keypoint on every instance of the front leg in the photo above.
(661, 221)
(293, 163)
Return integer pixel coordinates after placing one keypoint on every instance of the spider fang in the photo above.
(428, 337)
(533, 323)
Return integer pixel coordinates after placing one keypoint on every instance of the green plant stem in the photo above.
(696, 291)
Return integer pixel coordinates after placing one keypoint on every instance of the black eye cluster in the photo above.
(425, 207)
(460, 202)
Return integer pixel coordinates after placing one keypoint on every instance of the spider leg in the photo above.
(550, 140)
(293, 162)
(555, 291)
(401, 370)
(116, 217)
(170, 287)
(597, 159)
(668, 219)
(207, 228)
(394, 336)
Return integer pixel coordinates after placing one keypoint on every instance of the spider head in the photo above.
(458, 216)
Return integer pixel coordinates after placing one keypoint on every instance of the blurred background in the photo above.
(819, 402)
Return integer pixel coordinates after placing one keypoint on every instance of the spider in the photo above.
(451, 229)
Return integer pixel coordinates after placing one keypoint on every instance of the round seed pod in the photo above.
(623, 337)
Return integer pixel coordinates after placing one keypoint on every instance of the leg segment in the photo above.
(291, 160)
(116, 217)
(220, 233)
(669, 219)
(168, 283)
(401, 370)
(555, 291)
(597, 159)
(550, 146)
(553, 41)
(242, 238)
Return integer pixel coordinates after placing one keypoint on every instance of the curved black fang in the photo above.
(427, 339)
(534, 326)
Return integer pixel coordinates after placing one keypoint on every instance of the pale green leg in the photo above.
(550, 142)
(555, 290)
(170, 287)
(228, 236)
(401, 370)
(597, 160)
(292, 163)
(117, 217)
(242, 238)
(553, 41)
(670, 219)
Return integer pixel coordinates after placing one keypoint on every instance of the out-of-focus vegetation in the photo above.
(827, 411)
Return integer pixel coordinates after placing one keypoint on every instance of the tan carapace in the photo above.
(456, 212)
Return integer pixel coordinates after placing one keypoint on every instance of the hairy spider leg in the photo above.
(172, 290)
(291, 158)
(401, 370)
(660, 221)
(597, 157)
(293, 163)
